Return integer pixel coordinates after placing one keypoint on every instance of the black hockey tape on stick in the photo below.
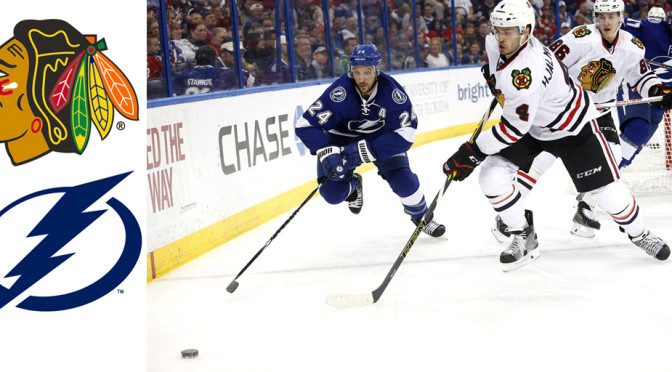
(234, 284)
(629, 102)
(658, 64)
(350, 300)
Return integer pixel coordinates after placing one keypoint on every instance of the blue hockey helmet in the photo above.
(365, 55)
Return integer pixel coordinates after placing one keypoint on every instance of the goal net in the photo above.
(651, 171)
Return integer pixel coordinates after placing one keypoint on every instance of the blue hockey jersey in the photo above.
(200, 79)
(340, 116)
(657, 39)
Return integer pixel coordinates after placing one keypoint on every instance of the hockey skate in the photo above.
(523, 249)
(432, 227)
(585, 221)
(499, 230)
(356, 198)
(652, 245)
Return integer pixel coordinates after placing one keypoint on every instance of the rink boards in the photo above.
(221, 165)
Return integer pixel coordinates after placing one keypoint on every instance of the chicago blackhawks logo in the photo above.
(596, 75)
(54, 82)
(522, 79)
(637, 42)
(581, 31)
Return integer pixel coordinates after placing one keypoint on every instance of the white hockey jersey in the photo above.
(539, 97)
(598, 69)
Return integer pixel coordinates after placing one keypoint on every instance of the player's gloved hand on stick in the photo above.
(357, 153)
(332, 162)
(464, 161)
(666, 92)
(490, 79)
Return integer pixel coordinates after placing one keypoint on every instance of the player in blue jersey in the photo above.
(639, 122)
(203, 78)
(365, 116)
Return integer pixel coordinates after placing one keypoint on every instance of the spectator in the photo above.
(401, 16)
(181, 50)
(337, 26)
(642, 12)
(481, 34)
(564, 14)
(435, 29)
(154, 65)
(218, 34)
(346, 10)
(409, 62)
(484, 8)
(196, 33)
(279, 72)
(203, 78)
(342, 62)
(152, 27)
(436, 58)
(256, 14)
(304, 58)
(462, 7)
(321, 63)
(428, 15)
(584, 11)
(229, 74)
(473, 56)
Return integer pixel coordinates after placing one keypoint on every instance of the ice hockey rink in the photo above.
(598, 304)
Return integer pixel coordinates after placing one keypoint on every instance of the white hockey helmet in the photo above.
(608, 6)
(513, 13)
(656, 15)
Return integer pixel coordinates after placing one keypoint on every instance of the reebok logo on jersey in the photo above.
(589, 172)
(581, 31)
(522, 79)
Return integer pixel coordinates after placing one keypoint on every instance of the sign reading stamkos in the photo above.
(57, 228)
(398, 96)
(338, 94)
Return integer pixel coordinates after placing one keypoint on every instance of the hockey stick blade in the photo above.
(344, 301)
(658, 64)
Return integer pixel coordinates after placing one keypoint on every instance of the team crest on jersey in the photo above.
(637, 42)
(522, 79)
(338, 94)
(596, 75)
(398, 96)
(581, 31)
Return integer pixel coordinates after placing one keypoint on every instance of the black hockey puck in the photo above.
(232, 287)
(189, 353)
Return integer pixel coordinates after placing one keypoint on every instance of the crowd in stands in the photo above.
(193, 25)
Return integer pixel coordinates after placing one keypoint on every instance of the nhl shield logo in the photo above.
(581, 31)
(522, 79)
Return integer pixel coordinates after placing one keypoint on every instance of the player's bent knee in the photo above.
(334, 192)
(402, 181)
(496, 175)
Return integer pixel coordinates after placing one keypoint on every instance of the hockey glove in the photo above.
(357, 153)
(666, 92)
(463, 162)
(332, 162)
(490, 79)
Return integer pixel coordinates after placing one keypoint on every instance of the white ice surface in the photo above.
(596, 304)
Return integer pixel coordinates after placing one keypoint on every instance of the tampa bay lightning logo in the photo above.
(66, 219)
(398, 96)
(338, 94)
(374, 119)
(665, 74)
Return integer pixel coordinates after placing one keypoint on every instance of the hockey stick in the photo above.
(350, 300)
(658, 64)
(234, 284)
(629, 102)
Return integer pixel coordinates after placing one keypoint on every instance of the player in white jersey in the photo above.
(543, 110)
(598, 56)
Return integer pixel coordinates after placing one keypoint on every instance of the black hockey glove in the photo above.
(463, 162)
(357, 153)
(332, 162)
(666, 92)
(490, 79)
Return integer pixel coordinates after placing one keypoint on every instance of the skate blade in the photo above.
(532, 256)
(501, 238)
(582, 231)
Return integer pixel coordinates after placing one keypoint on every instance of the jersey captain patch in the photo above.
(596, 75)
(581, 31)
(522, 79)
(637, 42)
